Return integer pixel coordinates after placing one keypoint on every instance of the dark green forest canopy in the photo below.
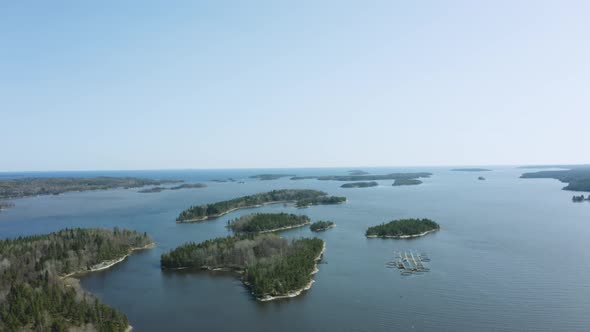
(406, 182)
(52, 186)
(264, 222)
(321, 225)
(214, 210)
(472, 169)
(577, 179)
(403, 227)
(36, 295)
(270, 176)
(391, 176)
(272, 265)
(320, 200)
(360, 184)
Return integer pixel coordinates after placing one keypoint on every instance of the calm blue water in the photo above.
(512, 254)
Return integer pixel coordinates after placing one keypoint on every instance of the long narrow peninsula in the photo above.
(403, 228)
(38, 294)
(272, 267)
(24, 187)
(302, 197)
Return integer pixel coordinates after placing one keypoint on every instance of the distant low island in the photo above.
(357, 172)
(24, 187)
(37, 291)
(360, 184)
(320, 226)
(577, 179)
(473, 169)
(267, 222)
(302, 197)
(182, 186)
(403, 228)
(272, 267)
(406, 182)
(481, 178)
(266, 177)
(580, 198)
(391, 176)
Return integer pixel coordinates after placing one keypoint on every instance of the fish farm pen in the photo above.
(409, 262)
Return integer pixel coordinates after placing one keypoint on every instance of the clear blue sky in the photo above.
(223, 84)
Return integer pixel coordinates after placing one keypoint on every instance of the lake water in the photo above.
(512, 254)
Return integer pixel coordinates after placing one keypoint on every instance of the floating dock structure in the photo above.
(409, 262)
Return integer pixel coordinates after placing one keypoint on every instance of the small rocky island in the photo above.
(481, 178)
(267, 222)
(360, 184)
(403, 228)
(182, 186)
(271, 266)
(321, 226)
(5, 205)
(38, 292)
(406, 182)
(302, 197)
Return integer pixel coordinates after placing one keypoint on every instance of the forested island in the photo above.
(320, 226)
(267, 177)
(14, 188)
(303, 197)
(360, 184)
(35, 293)
(5, 205)
(182, 186)
(403, 228)
(473, 169)
(406, 182)
(481, 178)
(391, 176)
(577, 179)
(267, 222)
(272, 267)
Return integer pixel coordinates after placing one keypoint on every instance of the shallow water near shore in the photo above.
(512, 254)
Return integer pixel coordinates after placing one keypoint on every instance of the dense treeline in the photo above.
(321, 200)
(34, 296)
(264, 222)
(406, 182)
(403, 227)
(578, 179)
(271, 265)
(53, 186)
(321, 225)
(202, 212)
(391, 176)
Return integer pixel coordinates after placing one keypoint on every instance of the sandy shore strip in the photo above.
(107, 264)
(403, 236)
(298, 291)
(325, 229)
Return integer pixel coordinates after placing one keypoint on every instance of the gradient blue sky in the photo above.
(224, 84)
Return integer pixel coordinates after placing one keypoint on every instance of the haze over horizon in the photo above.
(122, 86)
